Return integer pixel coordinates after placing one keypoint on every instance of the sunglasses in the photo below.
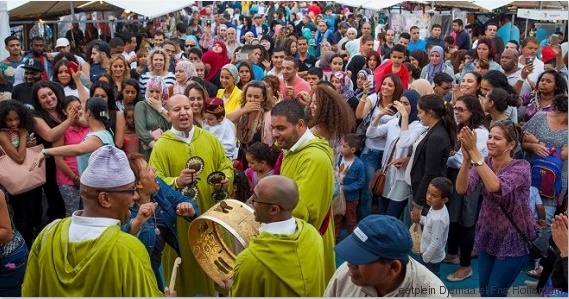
(130, 191)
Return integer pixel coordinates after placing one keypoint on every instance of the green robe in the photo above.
(116, 264)
(310, 166)
(279, 265)
(169, 157)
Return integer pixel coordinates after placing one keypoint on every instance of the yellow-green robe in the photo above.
(279, 265)
(310, 166)
(169, 157)
(116, 264)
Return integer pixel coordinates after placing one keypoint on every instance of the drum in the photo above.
(218, 235)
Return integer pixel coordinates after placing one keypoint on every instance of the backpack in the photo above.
(546, 173)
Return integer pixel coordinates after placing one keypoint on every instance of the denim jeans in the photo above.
(496, 275)
(434, 267)
(12, 269)
(371, 159)
(391, 207)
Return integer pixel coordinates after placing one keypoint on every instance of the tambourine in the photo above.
(196, 163)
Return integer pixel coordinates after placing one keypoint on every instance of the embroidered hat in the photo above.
(108, 168)
(214, 106)
(376, 237)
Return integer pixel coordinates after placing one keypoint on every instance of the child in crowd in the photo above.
(351, 172)
(67, 172)
(261, 159)
(217, 124)
(482, 66)
(436, 224)
(131, 142)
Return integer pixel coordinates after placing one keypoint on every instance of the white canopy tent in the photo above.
(4, 27)
(480, 5)
(150, 9)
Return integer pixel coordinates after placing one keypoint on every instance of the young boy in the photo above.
(436, 224)
(218, 125)
(393, 66)
(351, 172)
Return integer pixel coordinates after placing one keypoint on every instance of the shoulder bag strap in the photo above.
(513, 223)
(384, 169)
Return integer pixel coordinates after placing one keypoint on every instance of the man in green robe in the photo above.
(169, 156)
(286, 259)
(308, 161)
(87, 255)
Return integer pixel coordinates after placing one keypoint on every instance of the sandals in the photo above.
(452, 260)
(535, 273)
(453, 278)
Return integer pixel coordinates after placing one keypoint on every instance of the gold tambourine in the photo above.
(196, 163)
(218, 235)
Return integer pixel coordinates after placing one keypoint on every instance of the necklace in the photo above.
(156, 229)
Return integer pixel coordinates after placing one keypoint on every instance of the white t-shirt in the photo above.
(435, 234)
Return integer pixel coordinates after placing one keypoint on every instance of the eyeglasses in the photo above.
(459, 109)
(131, 191)
(254, 200)
(508, 122)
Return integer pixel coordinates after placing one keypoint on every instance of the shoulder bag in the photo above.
(534, 250)
(377, 182)
(20, 178)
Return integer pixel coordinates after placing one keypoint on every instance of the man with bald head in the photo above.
(87, 254)
(169, 157)
(509, 63)
(286, 258)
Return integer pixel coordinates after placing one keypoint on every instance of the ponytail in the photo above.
(443, 110)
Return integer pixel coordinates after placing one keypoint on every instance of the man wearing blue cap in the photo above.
(378, 264)
(87, 255)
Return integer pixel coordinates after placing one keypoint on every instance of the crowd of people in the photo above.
(337, 132)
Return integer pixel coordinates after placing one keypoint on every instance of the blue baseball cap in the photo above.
(376, 237)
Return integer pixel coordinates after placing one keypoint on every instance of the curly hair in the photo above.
(267, 103)
(24, 113)
(560, 82)
(158, 51)
(57, 89)
(333, 113)
(126, 74)
(287, 44)
(262, 152)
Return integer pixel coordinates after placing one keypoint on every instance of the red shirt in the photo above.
(385, 69)
(315, 9)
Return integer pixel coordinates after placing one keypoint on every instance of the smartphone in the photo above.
(370, 78)
(555, 40)
(393, 108)
(242, 56)
(529, 60)
(32, 136)
(208, 22)
(73, 66)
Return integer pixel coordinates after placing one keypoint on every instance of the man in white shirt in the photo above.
(529, 47)
(129, 46)
(509, 63)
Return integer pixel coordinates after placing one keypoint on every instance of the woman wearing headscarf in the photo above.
(184, 71)
(214, 60)
(230, 93)
(344, 86)
(150, 116)
(356, 64)
(436, 65)
(422, 86)
(324, 64)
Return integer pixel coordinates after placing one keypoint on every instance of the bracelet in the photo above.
(44, 153)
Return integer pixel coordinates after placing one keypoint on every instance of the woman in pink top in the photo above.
(67, 175)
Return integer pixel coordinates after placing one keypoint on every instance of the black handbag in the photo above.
(534, 250)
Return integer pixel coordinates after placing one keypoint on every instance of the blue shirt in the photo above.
(418, 45)
(107, 139)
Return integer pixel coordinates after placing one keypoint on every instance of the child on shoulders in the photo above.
(217, 124)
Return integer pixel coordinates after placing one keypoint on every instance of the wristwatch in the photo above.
(478, 163)
(161, 110)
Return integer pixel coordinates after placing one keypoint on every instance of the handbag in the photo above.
(339, 203)
(20, 178)
(377, 182)
(534, 249)
(362, 127)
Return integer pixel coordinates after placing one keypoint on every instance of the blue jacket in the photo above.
(167, 199)
(354, 180)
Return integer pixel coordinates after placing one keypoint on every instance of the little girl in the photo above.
(131, 142)
(66, 173)
(261, 159)
(15, 121)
